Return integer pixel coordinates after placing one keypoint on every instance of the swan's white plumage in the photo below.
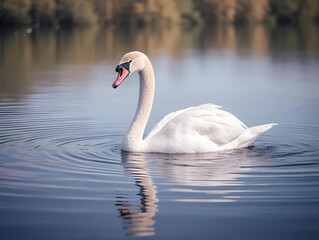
(205, 128)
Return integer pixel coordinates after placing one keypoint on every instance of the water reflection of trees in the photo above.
(21, 54)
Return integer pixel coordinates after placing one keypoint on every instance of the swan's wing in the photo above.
(164, 120)
(172, 115)
(206, 122)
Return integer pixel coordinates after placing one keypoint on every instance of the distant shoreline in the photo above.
(69, 13)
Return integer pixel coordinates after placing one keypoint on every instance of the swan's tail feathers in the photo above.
(249, 136)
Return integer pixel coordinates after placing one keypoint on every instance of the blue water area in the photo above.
(63, 174)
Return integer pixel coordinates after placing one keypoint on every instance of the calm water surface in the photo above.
(63, 175)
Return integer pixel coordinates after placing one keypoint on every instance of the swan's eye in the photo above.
(126, 65)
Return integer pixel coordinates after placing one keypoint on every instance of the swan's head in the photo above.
(130, 63)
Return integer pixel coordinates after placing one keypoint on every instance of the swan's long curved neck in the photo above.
(134, 136)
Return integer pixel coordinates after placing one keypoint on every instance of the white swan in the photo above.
(205, 128)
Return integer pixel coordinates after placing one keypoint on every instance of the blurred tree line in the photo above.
(147, 12)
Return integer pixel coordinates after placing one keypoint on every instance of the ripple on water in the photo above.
(49, 161)
(37, 164)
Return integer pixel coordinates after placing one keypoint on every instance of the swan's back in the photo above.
(204, 128)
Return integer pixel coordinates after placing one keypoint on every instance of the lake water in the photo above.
(63, 175)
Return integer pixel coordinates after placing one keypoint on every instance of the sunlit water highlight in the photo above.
(63, 176)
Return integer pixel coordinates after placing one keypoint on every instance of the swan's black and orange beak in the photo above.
(123, 70)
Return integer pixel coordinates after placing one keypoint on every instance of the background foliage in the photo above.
(148, 12)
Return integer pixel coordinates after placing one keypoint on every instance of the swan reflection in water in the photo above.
(219, 173)
(138, 219)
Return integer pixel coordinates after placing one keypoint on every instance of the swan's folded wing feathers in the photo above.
(164, 120)
(218, 125)
(207, 121)
(173, 115)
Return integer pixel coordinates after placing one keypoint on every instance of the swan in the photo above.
(205, 128)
